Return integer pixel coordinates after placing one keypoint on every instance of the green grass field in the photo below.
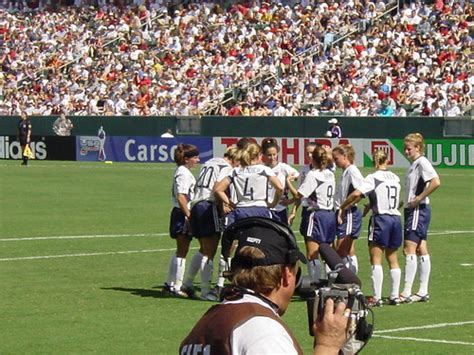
(84, 249)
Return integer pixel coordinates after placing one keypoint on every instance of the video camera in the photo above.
(342, 286)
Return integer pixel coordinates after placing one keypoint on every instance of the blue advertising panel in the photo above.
(136, 149)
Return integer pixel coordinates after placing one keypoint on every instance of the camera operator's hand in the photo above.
(331, 330)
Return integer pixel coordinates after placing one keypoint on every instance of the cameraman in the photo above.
(263, 275)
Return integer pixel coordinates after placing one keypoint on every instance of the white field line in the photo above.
(425, 340)
(107, 253)
(91, 236)
(98, 165)
(87, 254)
(59, 237)
(379, 333)
(429, 326)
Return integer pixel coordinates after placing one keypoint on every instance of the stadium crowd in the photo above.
(263, 58)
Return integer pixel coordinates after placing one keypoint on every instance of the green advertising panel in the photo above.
(443, 153)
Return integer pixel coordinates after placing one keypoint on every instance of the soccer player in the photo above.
(385, 228)
(283, 172)
(249, 181)
(351, 225)
(186, 156)
(318, 224)
(205, 223)
(420, 182)
(304, 170)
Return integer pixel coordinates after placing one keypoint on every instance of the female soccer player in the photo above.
(205, 223)
(304, 170)
(319, 225)
(249, 182)
(186, 156)
(420, 181)
(351, 225)
(283, 172)
(385, 229)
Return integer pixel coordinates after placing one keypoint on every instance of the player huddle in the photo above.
(249, 181)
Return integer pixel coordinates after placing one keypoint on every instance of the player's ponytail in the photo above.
(379, 157)
(249, 154)
(320, 158)
(268, 143)
(231, 153)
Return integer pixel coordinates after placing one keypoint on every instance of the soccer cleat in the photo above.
(405, 299)
(210, 296)
(218, 291)
(418, 298)
(167, 288)
(178, 293)
(373, 302)
(394, 301)
(189, 291)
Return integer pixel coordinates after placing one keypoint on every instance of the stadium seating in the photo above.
(336, 57)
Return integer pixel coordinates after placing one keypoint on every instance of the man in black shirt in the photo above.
(24, 136)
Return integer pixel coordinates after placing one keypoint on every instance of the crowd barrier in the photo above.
(443, 153)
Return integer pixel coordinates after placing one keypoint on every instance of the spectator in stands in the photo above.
(214, 50)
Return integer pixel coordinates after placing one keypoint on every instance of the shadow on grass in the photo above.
(155, 292)
(142, 292)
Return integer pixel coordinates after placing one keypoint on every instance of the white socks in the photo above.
(314, 270)
(223, 266)
(354, 264)
(180, 267)
(425, 269)
(377, 281)
(410, 272)
(193, 269)
(395, 276)
(351, 263)
(206, 275)
(170, 280)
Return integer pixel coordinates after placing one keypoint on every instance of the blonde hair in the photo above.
(347, 150)
(248, 154)
(231, 152)
(261, 279)
(417, 140)
(320, 158)
(379, 157)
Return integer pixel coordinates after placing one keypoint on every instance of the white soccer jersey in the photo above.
(282, 171)
(183, 183)
(208, 176)
(420, 172)
(318, 188)
(350, 180)
(250, 184)
(304, 170)
(383, 190)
